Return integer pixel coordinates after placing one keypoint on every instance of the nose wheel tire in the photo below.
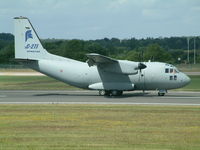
(161, 94)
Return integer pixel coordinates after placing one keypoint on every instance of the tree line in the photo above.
(171, 50)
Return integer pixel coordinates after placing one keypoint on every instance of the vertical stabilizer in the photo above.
(27, 42)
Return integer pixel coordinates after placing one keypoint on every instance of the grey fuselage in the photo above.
(79, 74)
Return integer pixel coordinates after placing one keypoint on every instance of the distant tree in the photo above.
(133, 56)
(7, 54)
(155, 53)
(178, 56)
(6, 37)
(73, 49)
(93, 47)
(156, 49)
(115, 42)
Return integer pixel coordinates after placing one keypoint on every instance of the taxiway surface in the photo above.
(92, 97)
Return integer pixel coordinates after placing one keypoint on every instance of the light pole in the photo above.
(188, 56)
(194, 50)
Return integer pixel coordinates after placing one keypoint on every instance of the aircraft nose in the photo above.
(186, 80)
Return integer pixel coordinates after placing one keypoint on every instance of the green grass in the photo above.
(193, 86)
(31, 83)
(99, 127)
(47, 83)
(16, 70)
(189, 67)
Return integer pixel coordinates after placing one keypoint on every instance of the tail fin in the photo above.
(27, 42)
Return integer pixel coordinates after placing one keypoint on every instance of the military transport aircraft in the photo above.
(107, 75)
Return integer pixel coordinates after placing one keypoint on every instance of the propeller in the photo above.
(141, 66)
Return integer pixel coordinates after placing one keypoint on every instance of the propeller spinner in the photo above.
(141, 66)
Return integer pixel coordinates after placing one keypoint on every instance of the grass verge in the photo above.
(193, 86)
(32, 83)
(105, 127)
(189, 67)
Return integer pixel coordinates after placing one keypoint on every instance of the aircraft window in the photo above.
(171, 70)
(166, 70)
(176, 70)
(175, 77)
(170, 77)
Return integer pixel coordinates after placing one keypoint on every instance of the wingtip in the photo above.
(21, 17)
(92, 54)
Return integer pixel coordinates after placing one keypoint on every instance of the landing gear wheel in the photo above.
(116, 93)
(120, 93)
(107, 93)
(110, 93)
(161, 94)
(101, 92)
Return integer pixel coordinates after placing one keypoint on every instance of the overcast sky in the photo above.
(95, 19)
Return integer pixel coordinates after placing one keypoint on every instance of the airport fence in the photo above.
(12, 66)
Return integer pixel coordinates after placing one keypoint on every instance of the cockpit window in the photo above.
(171, 69)
(176, 70)
(175, 77)
(170, 77)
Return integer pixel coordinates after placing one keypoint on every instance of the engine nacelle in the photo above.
(122, 67)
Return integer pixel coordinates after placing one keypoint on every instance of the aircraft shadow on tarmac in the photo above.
(126, 95)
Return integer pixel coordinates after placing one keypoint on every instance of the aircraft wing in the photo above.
(108, 64)
(96, 59)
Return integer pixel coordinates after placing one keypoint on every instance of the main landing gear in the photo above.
(110, 93)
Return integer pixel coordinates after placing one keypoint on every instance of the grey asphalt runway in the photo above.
(92, 97)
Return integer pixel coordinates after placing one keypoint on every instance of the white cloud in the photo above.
(98, 18)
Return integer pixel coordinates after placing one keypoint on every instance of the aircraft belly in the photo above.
(112, 86)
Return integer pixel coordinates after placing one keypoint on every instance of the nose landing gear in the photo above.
(162, 92)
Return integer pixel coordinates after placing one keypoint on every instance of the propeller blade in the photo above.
(141, 66)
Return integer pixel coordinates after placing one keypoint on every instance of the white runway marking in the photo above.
(181, 97)
(3, 96)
